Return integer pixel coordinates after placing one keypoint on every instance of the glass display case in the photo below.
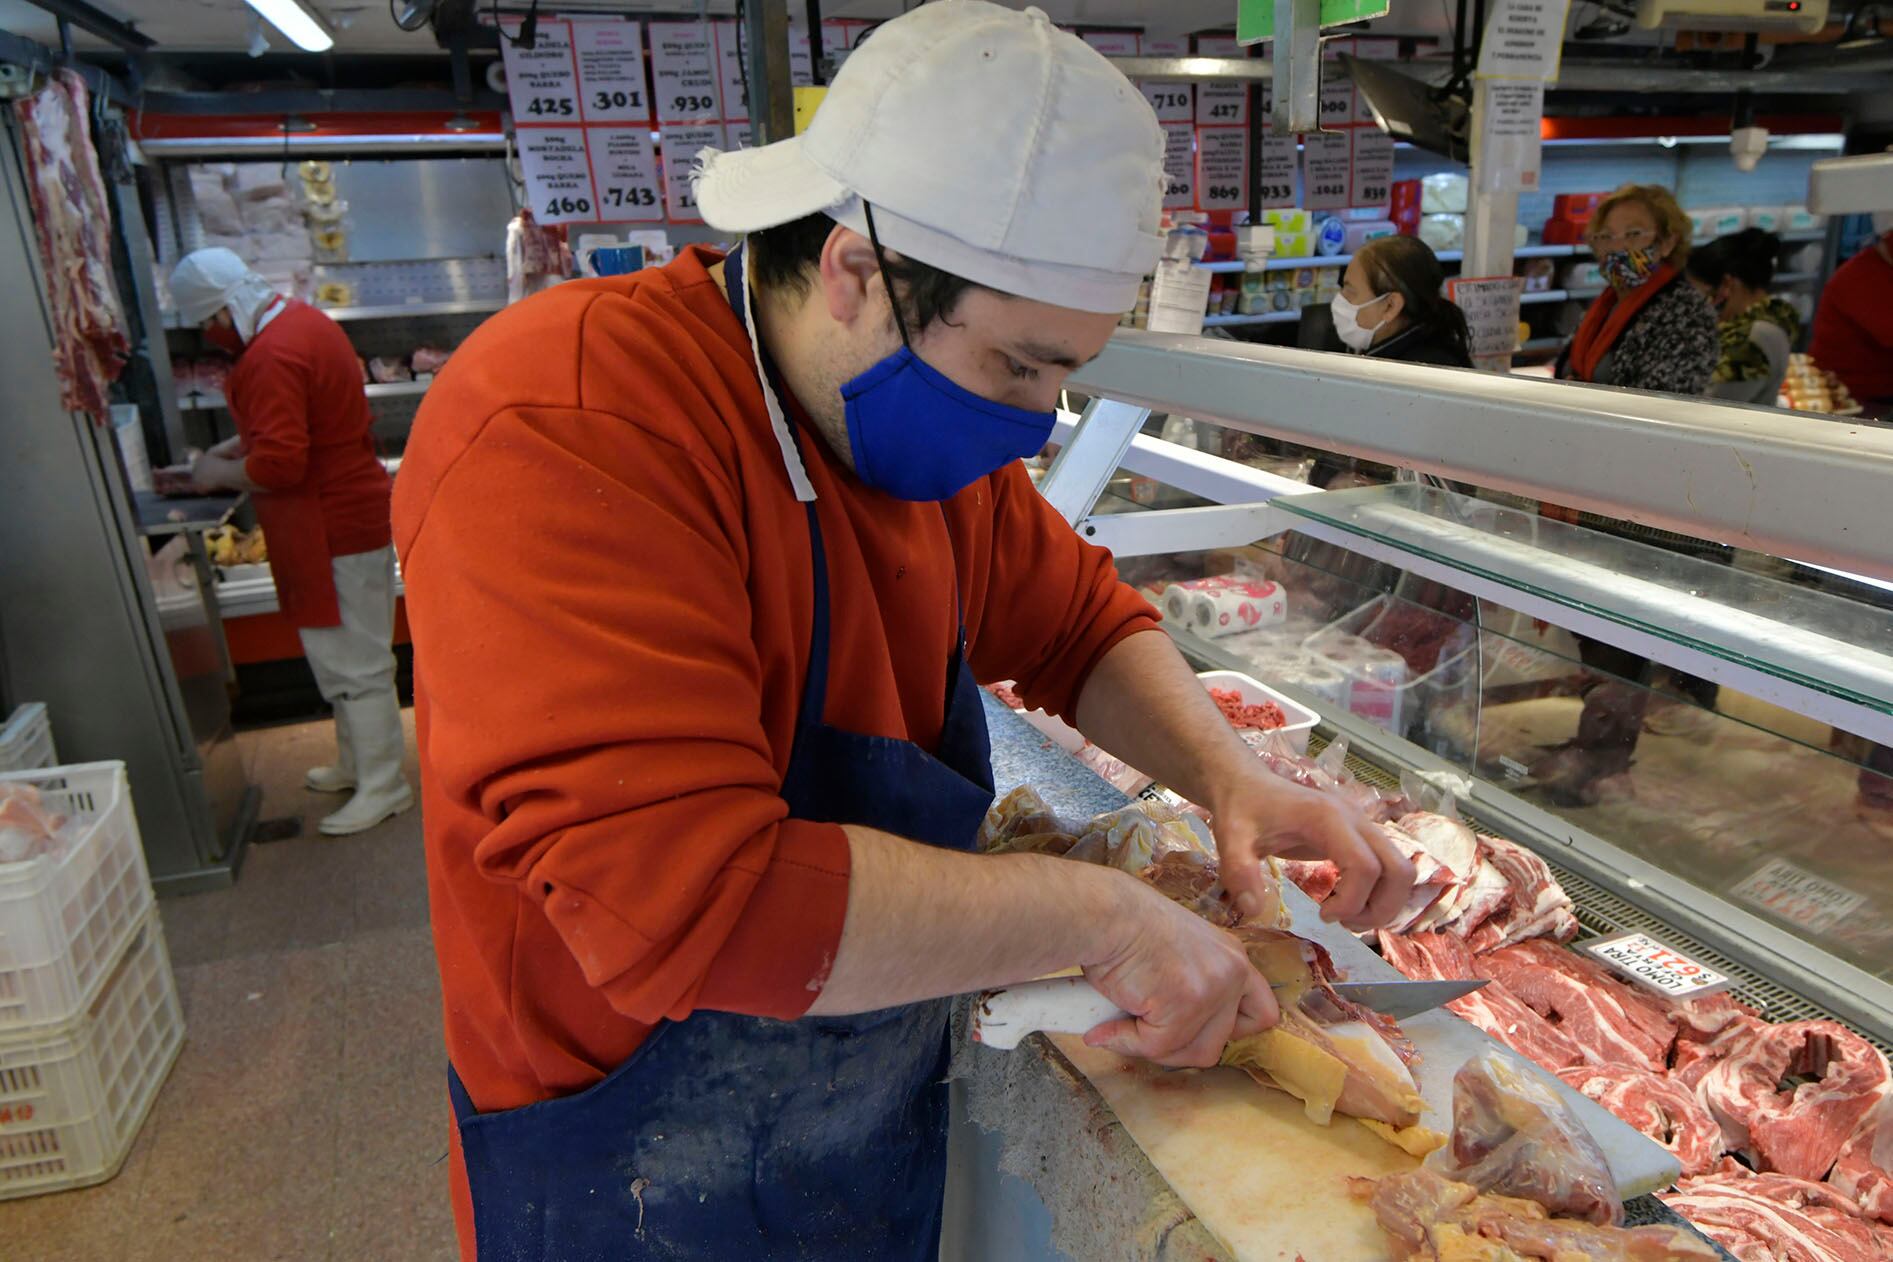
(1695, 730)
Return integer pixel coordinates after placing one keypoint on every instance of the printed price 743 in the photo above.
(635, 196)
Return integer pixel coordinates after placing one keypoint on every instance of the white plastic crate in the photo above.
(26, 739)
(65, 918)
(72, 1098)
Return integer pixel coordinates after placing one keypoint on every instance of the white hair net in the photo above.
(206, 280)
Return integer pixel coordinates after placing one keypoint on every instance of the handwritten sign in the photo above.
(1800, 897)
(1513, 113)
(1523, 39)
(1222, 168)
(1491, 307)
(1651, 964)
(1326, 165)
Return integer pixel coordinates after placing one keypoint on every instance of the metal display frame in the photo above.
(1784, 484)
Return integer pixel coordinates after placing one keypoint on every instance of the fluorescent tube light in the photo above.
(296, 23)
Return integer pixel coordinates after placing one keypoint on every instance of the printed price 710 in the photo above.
(1170, 100)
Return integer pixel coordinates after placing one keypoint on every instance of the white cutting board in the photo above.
(1270, 1184)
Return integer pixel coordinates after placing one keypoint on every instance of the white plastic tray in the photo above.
(1301, 720)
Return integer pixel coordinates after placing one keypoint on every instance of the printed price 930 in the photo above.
(692, 105)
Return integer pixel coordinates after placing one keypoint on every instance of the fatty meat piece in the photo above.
(1584, 1011)
(1431, 878)
(1775, 1217)
(387, 369)
(1492, 1008)
(1189, 878)
(1314, 877)
(1798, 1132)
(29, 827)
(1864, 1169)
(1513, 1135)
(1705, 1038)
(1539, 907)
(1659, 1106)
(428, 359)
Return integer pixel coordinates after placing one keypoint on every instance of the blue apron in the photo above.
(735, 1137)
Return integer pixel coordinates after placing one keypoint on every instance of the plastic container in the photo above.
(65, 919)
(73, 1097)
(26, 739)
(1301, 720)
(1361, 231)
(1444, 193)
(1388, 695)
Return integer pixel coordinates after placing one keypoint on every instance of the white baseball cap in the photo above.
(991, 144)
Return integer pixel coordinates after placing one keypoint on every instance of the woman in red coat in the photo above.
(303, 451)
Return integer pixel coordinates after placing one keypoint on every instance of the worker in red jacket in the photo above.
(304, 452)
(703, 564)
(1853, 325)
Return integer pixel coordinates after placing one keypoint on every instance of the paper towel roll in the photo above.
(1178, 598)
(1241, 606)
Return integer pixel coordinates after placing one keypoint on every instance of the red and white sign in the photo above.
(581, 118)
(1326, 168)
(1651, 964)
(1219, 104)
(1222, 168)
(1179, 166)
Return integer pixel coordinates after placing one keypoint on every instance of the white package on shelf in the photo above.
(26, 739)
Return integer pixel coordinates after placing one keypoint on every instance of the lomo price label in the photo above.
(1653, 965)
(1800, 897)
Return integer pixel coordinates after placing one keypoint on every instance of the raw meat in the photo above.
(1431, 879)
(1800, 1131)
(29, 828)
(1262, 717)
(1022, 813)
(1864, 1169)
(1314, 877)
(1775, 1217)
(1006, 695)
(387, 368)
(72, 220)
(1652, 1014)
(1586, 1012)
(536, 257)
(1452, 845)
(1707, 1035)
(1539, 906)
(1493, 1008)
(1189, 877)
(428, 359)
(1514, 1136)
(1659, 1106)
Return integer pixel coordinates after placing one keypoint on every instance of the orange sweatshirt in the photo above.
(610, 591)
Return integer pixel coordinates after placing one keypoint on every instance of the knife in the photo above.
(1072, 1005)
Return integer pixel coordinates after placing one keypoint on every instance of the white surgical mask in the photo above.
(1347, 321)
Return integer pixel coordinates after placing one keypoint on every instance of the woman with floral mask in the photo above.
(1391, 306)
(1649, 329)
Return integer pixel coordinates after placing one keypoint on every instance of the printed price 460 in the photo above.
(570, 205)
(621, 197)
(1175, 188)
(543, 106)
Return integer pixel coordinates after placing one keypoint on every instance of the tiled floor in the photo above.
(306, 1117)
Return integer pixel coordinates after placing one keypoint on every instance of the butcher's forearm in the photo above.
(1144, 704)
(924, 921)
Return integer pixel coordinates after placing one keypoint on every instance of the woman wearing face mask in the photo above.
(1391, 306)
(1649, 330)
(1757, 330)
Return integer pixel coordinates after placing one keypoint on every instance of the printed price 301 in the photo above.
(618, 100)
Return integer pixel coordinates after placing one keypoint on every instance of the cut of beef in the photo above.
(1539, 906)
(1775, 1218)
(1659, 1106)
(1545, 976)
(1864, 1169)
(1492, 1008)
(1798, 1131)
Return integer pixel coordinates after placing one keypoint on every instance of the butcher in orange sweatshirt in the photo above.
(702, 566)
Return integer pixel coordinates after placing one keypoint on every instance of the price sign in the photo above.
(682, 143)
(1372, 50)
(1179, 166)
(1491, 307)
(611, 71)
(729, 67)
(684, 71)
(1326, 160)
(1513, 114)
(1648, 962)
(1278, 172)
(1800, 897)
(1218, 103)
(1523, 39)
(1171, 101)
(558, 175)
(542, 81)
(626, 168)
(1371, 183)
(1222, 168)
(1112, 43)
(1337, 91)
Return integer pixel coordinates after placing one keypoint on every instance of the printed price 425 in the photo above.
(629, 197)
(546, 106)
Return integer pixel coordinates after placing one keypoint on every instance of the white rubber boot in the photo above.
(340, 777)
(381, 791)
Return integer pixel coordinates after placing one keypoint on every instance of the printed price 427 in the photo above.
(1228, 109)
(546, 106)
(629, 197)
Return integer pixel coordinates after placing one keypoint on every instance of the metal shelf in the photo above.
(1546, 295)
(1342, 260)
(374, 390)
(473, 306)
(1266, 317)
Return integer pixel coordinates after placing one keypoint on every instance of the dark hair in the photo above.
(1407, 266)
(1750, 256)
(785, 256)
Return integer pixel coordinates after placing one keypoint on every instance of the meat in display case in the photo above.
(1672, 747)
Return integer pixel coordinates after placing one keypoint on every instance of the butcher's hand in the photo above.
(1188, 986)
(229, 448)
(1257, 814)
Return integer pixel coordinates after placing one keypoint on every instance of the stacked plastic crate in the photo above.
(89, 1017)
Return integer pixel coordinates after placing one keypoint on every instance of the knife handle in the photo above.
(1058, 1005)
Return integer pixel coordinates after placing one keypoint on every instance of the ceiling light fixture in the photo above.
(296, 23)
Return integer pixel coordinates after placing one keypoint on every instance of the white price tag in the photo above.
(1179, 166)
(1112, 43)
(1278, 172)
(729, 62)
(1523, 39)
(1800, 897)
(1655, 966)
(558, 175)
(1222, 168)
(1371, 182)
(684, 70)
(1179, 297)
(1218, 103)
(1171, 101)
(626, 170)
(1513, 113)
(1325, 161)
(610, 57)
(1337, 92)
(682, 142)
(542, 81)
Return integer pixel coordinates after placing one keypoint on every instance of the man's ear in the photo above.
(849, 275)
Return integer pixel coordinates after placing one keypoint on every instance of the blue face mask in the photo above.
(917, 435)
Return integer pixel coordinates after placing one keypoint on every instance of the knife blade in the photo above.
(1072, 1005)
